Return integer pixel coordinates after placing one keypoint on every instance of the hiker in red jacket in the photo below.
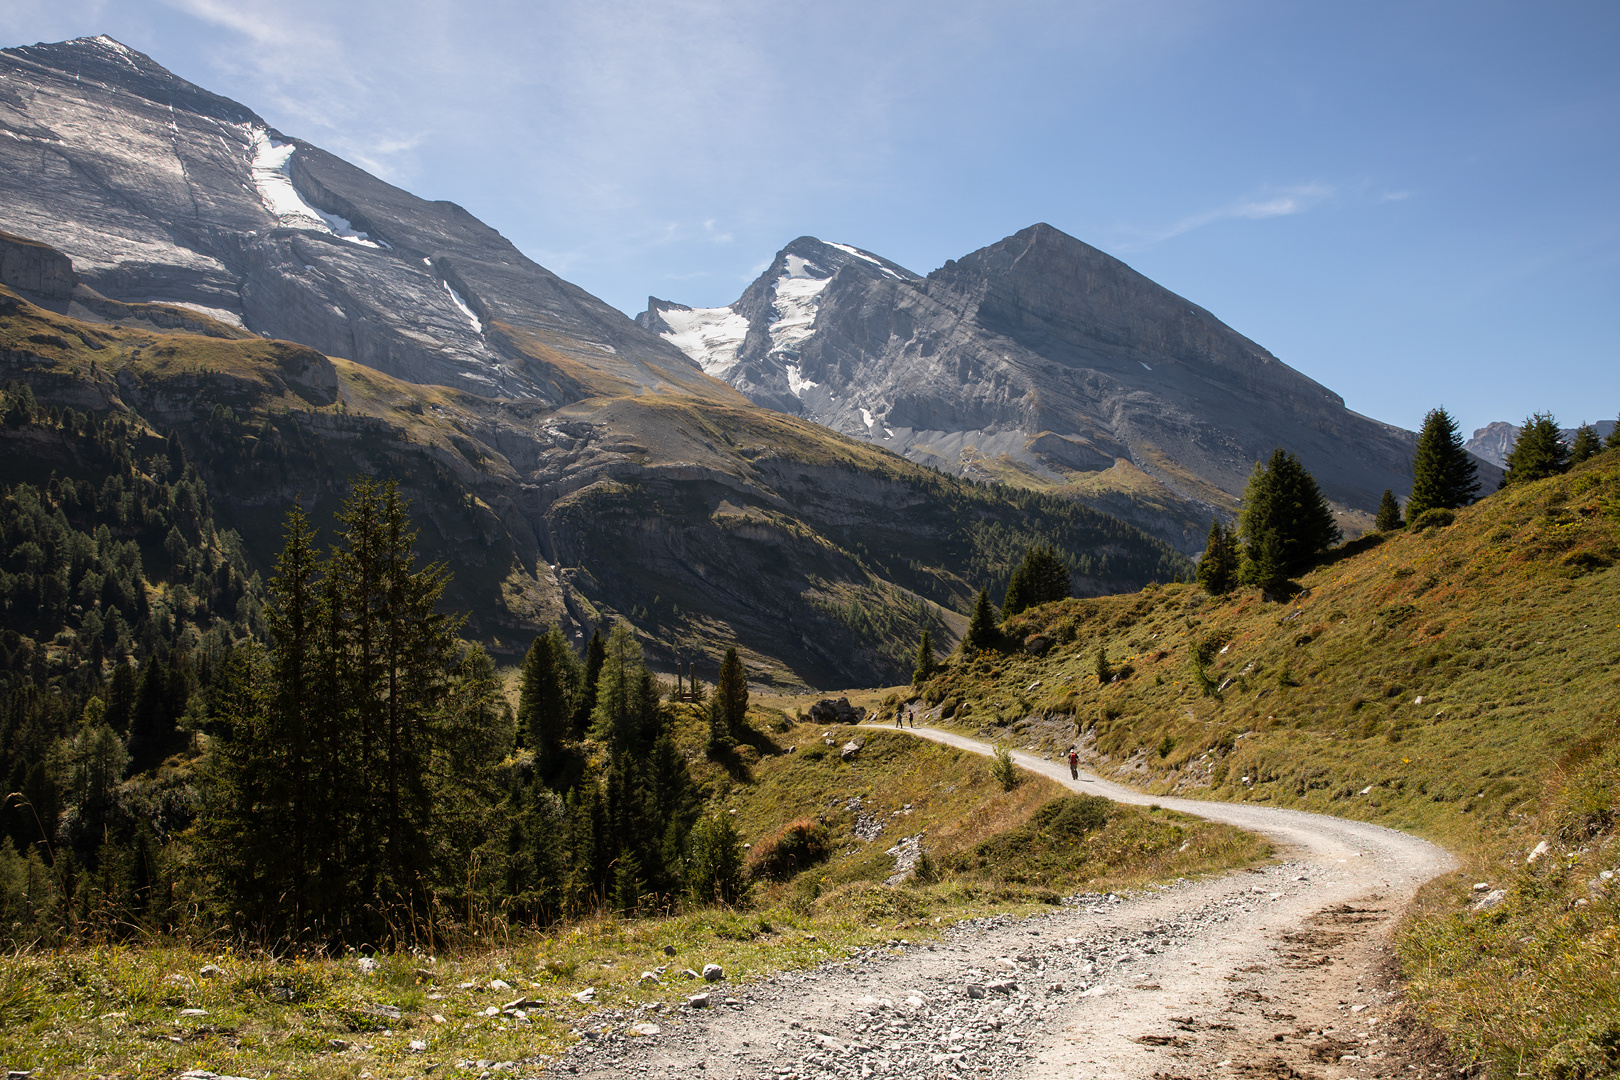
(1074, 763)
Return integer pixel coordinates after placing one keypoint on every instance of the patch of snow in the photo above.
(711, 336)
(796, 382)
(866, 415)
(221, 314)
(466, 308)
(795, 306)
(1144, 364)
(603, 347)
(271, 177)
(859, 254)
(888, 433)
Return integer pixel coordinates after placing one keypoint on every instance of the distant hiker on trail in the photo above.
(900, 716)
(1074, 763)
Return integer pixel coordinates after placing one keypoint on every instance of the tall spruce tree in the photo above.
(627, 714)
(1218, 568)
(926, 664)
(1612, 442)
(728, 708)
(331, 735)
(1040, 578)
(1389, 513)
(548, 698)
(1443, 473)
(1285, 522)
(983, 631)
(1585, 445)
(595, 655)
(1538, 452)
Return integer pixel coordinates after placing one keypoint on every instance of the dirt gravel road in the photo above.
(1280, 971)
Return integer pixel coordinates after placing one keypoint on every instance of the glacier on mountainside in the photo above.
(711, 336)
(271, 177)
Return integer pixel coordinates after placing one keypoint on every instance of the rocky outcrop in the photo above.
(1042, 361)
(32, 267)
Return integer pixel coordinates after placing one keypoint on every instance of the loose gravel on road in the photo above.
(1278, 971)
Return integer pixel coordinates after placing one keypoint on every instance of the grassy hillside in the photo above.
(1460, 682)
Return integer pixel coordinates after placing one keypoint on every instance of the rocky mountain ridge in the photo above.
(296, 322)
(1493, 441)
(1038, 360)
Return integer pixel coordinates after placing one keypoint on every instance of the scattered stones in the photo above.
(688, 973)
(649, 979)
(851, 750)
(417, 1046)
(367, 965)
(1490, 900)
(208, 971)
(586, 996)
(499, 984)
(1541, 849)
(193, 1012)
(713, 973)
(339, 1045)
(669, 950)
(646, 1029)
(698, 1001)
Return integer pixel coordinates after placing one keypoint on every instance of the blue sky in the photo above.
(1413, 203)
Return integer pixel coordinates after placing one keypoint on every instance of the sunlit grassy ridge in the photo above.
(1461, 682)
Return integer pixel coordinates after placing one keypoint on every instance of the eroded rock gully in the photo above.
(1279, 971)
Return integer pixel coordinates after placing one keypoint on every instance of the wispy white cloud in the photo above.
(1394, 196)
(1284, 202)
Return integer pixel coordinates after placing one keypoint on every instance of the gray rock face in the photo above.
(160, 191)
(1493, 441)
(35, 268)
(1043, 361)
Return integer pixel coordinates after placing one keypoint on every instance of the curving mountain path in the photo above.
(1278, 971)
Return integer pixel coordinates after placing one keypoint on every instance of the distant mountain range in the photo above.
(1493, 441)
(295, 322)
(1043, 362)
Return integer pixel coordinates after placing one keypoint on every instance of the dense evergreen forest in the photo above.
(315, 759)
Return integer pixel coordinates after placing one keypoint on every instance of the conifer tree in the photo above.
(1538, 452)
(1389, 513)
(1585, 445)
(627, 712)
(1612, 442)
(1285, 521)
(1040, 578)
(926, 663)
(1443, 473)
(728, 708)
(983, 632)
(548, 697)
(1217, 569)
(595, 655)
(714, 868)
